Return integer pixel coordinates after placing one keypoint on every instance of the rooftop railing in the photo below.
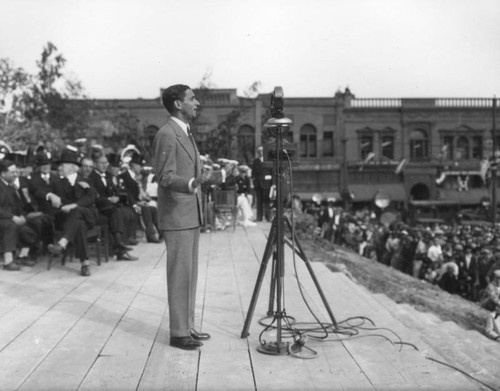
(422, 102)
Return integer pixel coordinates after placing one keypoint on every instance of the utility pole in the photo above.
(494, 166)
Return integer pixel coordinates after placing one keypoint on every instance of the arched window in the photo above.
(419, 145)
(308, 147)
(246, 143)
(462, 151)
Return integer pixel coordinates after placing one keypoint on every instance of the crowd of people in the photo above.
(461, 259)
(48, 206)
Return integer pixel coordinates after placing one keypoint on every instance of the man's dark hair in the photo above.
(5, 164)
(171, 94)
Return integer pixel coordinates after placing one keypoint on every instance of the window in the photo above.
(388, 147)
(308, 141)
(328, 144)
(366, 146)
(447, 148)
(419, 145)
(462, 151)
(246, 143)
(477, 147)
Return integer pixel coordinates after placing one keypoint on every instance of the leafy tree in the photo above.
(48, 107)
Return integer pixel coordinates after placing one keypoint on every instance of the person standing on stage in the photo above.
(178, 168)
(262, 181)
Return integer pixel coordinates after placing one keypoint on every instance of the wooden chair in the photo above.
(225, 202)
(98, 234)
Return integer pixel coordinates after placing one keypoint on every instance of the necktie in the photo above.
(191, 138)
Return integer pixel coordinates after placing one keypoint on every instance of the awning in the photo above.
(365, 192)
(469, 197)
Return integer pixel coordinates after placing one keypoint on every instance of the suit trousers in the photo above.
(182, 278)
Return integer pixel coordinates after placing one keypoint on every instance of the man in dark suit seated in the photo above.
(41, 184)
(78, 212)
(137, 198)
(107, 203)
(18, 228)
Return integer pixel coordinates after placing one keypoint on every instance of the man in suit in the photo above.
(107, 202)
(41, 185)
(78, 212)
(178, 168)
(18, 228)
(262, 181)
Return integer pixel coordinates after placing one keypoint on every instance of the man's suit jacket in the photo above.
(83, 196)
(259, 174)
(176, 161)
(10, 203)
(39, 190)
(103, 192)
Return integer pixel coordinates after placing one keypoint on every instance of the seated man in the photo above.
(107, 203)
(137, 198)
(18, 228)
(78, 212)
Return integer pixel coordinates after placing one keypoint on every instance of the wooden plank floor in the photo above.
(60, 331)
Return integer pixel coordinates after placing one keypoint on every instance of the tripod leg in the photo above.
(270, 308)
(262, 271)
(298, 250)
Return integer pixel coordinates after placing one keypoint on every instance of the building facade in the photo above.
(347, 147)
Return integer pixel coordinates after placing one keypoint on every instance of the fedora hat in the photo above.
(70, 154)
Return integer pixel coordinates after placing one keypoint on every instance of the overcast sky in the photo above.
(378, 48)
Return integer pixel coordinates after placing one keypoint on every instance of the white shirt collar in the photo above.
(72, 178)
(183, 125)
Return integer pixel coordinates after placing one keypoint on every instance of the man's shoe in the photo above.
(199, 336)
(120, 246)
(125, 257)
(12, 267)
(25, 261)
(186, 343)
(55, 249)
(85, 272)
(154, 240)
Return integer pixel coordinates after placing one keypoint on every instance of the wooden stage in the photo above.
(61, 331)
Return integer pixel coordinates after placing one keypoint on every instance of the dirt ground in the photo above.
(400, 287)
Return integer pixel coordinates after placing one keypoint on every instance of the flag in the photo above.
(400, 166)
(368, 157)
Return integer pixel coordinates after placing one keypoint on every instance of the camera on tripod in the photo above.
(278, 148)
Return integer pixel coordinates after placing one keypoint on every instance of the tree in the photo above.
(221, 141)
(48, 107)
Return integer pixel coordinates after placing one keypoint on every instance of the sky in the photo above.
(311, 48)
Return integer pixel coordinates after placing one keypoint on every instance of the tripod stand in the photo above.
(275, 249)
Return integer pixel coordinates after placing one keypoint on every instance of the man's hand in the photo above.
(67, 208)
(84, 185)
(54, 200)
(19, 220)
(114, 199)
